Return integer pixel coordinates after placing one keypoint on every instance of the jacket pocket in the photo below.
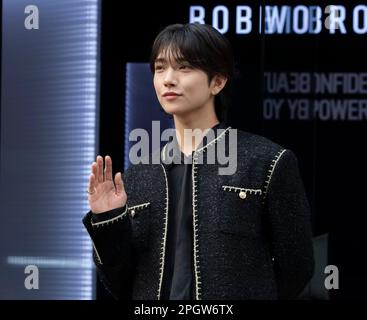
(140, 222)
(240, 211)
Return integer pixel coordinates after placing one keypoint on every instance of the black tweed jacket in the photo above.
(252, 232)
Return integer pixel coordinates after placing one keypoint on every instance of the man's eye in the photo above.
(157, 68)
(183, 67)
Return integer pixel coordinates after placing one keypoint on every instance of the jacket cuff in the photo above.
(110, 240)
(111, 216)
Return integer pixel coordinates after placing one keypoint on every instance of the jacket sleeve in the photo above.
(112, 250)
(287, 215)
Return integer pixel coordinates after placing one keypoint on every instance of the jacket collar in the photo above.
(178, 156)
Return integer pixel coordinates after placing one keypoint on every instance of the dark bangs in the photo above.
(197, 45)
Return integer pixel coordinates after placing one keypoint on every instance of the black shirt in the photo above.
(177, 281)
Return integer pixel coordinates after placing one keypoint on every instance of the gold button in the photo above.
(132, 213)
(242, 194)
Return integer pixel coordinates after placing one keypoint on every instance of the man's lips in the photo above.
(171, 94)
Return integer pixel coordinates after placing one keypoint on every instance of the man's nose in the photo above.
(170, 78)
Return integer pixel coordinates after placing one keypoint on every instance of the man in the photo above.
(180, 229)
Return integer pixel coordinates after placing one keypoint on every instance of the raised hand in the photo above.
(103, 193)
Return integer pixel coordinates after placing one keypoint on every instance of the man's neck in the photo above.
(203, 123)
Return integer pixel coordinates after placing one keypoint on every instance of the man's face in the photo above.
(180, 88)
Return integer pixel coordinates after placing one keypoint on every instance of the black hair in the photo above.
(204, 48)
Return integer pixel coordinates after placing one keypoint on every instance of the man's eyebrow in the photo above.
(181, 60)
(160, 60)
(164, 60)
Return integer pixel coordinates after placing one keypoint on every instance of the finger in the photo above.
(94, 181)
(108, 168)
(99, 175)
(95, 172)
(91, 184)
(119, 183)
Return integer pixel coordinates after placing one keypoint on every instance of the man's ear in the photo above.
(217, 84)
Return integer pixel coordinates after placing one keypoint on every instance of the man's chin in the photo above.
(176, 111)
